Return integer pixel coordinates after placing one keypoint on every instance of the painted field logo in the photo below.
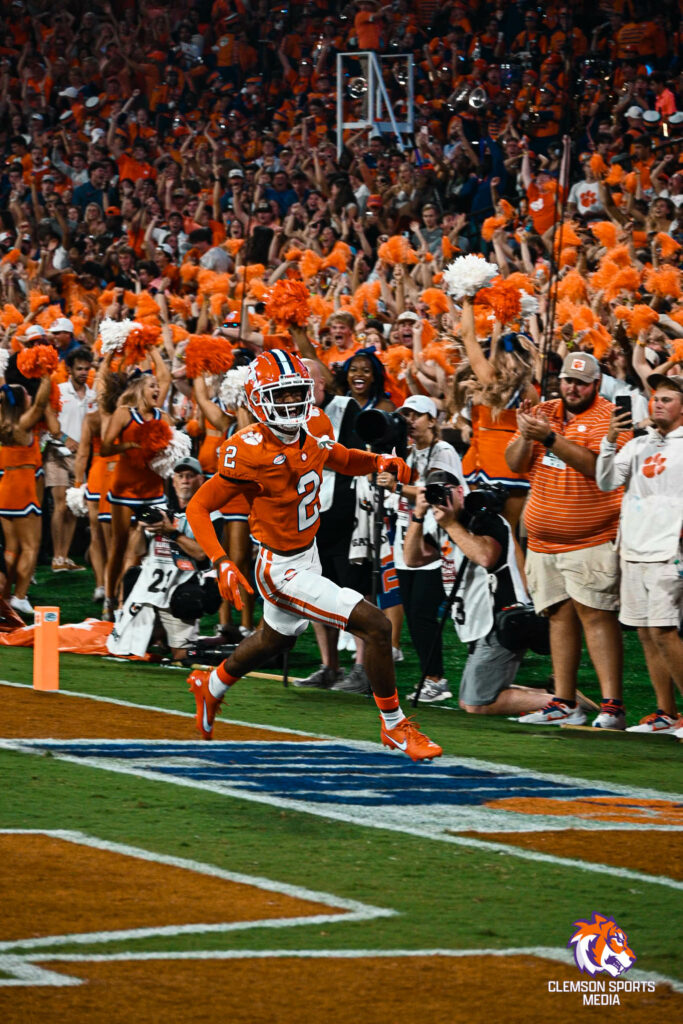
(600, 945)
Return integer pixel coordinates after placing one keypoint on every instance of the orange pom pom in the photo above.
(397, 250)
(435, 300)
(36, 300)
(448, 250)
(145, 305)
(619, 255)
(503, 298)
(598, 339)
(233, 245)
(615, 176)
(437, 352)
(153, 436)
(310, 264)
(139, 342)
(179, 306)
(565, 311)
(288, 303)
(625, 280)
(216, 303)
(605, 232)
(188, 272)
(642, 318)
(573, 286)
(366, 297)
(294, 254)
(490, 226)
(667, 245)
(38, 361)
(13, 256)
(521, 281)
(338, 258)
(665, 282)
(207, 355)
(507, 210)
(677, 350)
(598, 166)
(566, 235)
(320, 307)
(568, 257)
(10, 316)
(192, 428)
(396, 358)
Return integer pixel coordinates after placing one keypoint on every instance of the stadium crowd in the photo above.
(174, 202)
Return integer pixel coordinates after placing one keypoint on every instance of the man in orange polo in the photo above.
(572, 564)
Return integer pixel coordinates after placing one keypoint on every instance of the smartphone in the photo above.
(623, 404)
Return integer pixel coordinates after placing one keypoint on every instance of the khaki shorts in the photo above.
(651, 594)
(59, 469)
(589, 576)
(178, 633)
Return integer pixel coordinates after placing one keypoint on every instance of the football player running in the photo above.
(277, 463)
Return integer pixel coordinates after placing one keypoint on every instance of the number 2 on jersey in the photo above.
(230, 453)
(308, 486)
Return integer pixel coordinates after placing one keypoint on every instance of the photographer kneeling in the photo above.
(465, 530)
(167, 587)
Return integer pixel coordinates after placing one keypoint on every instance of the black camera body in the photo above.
(150, 515)
(437, 494)
(491, 498)
(385, 432)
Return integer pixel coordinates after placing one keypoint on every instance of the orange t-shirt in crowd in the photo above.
(542, 206)
(566, 511)
(367, 30)
(333, 355)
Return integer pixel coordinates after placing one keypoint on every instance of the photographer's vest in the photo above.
(482, 592)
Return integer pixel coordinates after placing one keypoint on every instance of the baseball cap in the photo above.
(634, 111)
(69, 92)
(676, 117)
(443, 476)
(420, 404)
(97, 134)
(651, 116)
(61, 324)
(263, 206)
(407, 316)
(581, 366)
(658, 380)
(236, 172)
(188, 463)
(34, 331)
(374, 200)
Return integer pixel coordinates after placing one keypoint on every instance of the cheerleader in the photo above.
(19, 507)
(134, 485)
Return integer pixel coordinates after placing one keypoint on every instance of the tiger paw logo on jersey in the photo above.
(252, 437)
(600, 945)
(653, 466)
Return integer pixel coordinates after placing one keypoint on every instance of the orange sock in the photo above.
(387, 703)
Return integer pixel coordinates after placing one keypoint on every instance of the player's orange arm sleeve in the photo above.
(212, 495)
(351, 461)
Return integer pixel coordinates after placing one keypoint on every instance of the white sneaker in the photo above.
(245, 631)
(658, 722)
(397, 654)
(556, 712)
(98, 594)
(611, 717)
(21, 604)
(346, 642)
(434, 692)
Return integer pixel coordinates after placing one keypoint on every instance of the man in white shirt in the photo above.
(650, 468)
(77, 399)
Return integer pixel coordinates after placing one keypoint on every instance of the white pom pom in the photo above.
(179, 447)
(529, 304)
(467, 274)
(75, 500)
(114, 333)
(232, 392)
(4, 360)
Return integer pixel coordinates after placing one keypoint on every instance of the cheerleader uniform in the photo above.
(18, 495)
(485, 462)
(133, 483)
(96, 473)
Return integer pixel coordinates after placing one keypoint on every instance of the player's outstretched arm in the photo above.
(212, 495)
(354, 462)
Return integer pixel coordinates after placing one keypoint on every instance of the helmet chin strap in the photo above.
(286, 436)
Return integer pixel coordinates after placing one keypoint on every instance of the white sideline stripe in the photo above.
(356, 911)
(23, 972)
(556, 954)
(336, 815)
(618, 789)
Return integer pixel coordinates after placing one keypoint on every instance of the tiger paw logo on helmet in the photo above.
(600, 945)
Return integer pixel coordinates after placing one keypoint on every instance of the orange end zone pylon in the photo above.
(46, 649)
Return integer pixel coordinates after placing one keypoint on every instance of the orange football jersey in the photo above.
(281, 481)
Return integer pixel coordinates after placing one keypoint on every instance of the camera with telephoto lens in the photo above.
(385, 432)
(150, 515)
(491, 498)
(436, 494)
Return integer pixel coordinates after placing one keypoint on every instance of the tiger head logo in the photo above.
(600, 945)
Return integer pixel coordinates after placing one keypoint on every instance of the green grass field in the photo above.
(448, 896)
